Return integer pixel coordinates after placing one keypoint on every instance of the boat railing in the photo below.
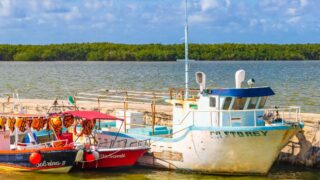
(10, 99)
(113, 143)
(291, 114)
(145, 142)
(120, 96)
(122, 143)
(57, 143)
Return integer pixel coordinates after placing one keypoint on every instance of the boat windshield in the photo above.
(227, 103)
(263, 101)
(253, 103)
(239, 103)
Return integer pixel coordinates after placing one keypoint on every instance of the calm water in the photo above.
(295, 83)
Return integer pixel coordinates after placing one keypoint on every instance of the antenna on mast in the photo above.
(186, 94)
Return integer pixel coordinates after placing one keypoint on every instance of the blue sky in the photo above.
(159, 21)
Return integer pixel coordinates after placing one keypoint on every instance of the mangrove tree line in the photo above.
(157, 52)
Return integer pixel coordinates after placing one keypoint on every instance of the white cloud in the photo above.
(110, 17)
(198, 18)
(206, 5)
(5, 8)
(253, 22)
(228, 3)
(304, 2)
(294, 20)
(48, 4)
(73, 14)
(291, 11)
(97, 4)
(209, 4)
(114, 15)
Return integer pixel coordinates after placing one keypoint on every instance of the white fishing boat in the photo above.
(219, 131)
(224, 131)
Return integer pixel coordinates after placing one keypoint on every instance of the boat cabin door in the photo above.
(214, 110)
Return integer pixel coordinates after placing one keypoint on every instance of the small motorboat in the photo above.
(20, 149)
(99, 152)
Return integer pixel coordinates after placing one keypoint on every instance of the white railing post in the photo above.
(211, 118)
(193, 118)
(255, 118)
(299, 115)
(289, 116)
(230, 117)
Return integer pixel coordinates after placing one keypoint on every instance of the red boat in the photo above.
(101, 153)
(113, 157)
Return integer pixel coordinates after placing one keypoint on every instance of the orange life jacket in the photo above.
(68, 121)
(35, 124)
(11, 123)
(21, 124)
(55, 123)
(3, 121)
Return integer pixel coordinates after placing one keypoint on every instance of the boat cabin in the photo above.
(225, 107)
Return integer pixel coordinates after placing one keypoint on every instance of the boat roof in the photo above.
(92, 115)
(243, 92)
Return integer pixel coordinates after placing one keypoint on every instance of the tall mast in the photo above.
(186, 94)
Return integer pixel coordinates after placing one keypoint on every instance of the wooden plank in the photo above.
(169, 155)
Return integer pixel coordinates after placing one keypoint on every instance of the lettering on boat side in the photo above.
(117, 156)
(51, 163)
(230, 134)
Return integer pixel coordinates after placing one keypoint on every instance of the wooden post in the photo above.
(75, 102)
(153, 111)
(99, 126)
(124, 116)
(99, 104)
(125, 108)
(153, 117)
(182, 94)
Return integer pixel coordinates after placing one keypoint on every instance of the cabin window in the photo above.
(239, 103)
(262, 102)
(212, 102)
(227, 103)
(253, 103)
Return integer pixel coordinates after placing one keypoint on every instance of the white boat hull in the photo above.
(216, 151)
(238, 152)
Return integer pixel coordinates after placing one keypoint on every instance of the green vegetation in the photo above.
(157, 52)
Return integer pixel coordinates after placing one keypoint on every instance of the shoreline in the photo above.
(105, 51)
(163, 61)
